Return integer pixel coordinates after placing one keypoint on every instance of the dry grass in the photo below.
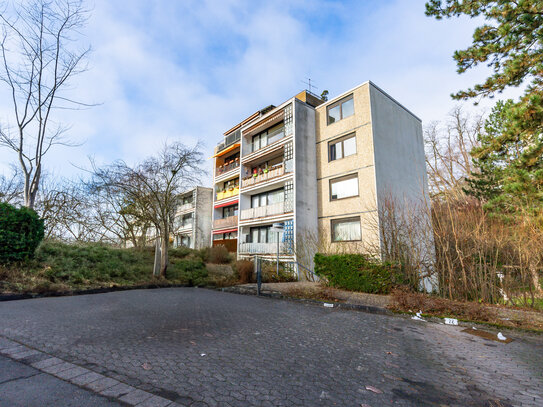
(512, 317)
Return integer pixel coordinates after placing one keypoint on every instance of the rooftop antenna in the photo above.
(309, 85)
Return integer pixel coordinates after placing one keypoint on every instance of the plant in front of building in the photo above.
(21, 231)
(357, 272)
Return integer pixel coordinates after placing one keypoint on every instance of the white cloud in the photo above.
(190, 70)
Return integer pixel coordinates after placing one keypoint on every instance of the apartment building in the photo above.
(321, 169)
(192, 223)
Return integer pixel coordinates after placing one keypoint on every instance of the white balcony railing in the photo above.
(185, 207)
(262, 248)
(262, 211)
(185, 226)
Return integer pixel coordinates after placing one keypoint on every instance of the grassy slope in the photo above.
(59, 267)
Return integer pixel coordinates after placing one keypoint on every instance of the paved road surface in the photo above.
(201, 347)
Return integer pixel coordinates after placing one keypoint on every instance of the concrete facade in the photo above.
(192, 223)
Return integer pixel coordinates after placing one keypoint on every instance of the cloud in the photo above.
(190, 70)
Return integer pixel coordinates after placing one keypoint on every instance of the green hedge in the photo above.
(188, 271)
(21, 231)
(356, 272)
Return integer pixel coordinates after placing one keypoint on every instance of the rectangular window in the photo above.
(344, 187)
(262, 234)
(268, 136)
(230, 211)
(346, 230)
(341, 148)
(268, 198)
(341, 109)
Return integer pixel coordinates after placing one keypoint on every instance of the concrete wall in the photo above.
(400, 169)
(361, 163)
(202, 217)
(305, 174)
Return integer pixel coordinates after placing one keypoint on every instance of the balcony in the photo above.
(185, 207)
(271, 138)
(223, 169)
(271, 173)
(229, 140)
(262, 211)
(263, 248)
(229, 222)
(185, 226)
(228, 193)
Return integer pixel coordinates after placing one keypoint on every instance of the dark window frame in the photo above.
(343, 178)
(340, 220)
(341, 140)
(340, 104)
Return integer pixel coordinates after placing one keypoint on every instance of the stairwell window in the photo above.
(343, 147)
(340, 109)
(344, 187)
(346, 230)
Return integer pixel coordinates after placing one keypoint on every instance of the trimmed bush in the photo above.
(356, 272)
(21, 231)
(188, 271)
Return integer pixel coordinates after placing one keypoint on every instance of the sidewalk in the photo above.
(24, 386)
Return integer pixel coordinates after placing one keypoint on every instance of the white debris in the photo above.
(501, 337)
(328, 305)
(202, 354)
(451, 321)
(473, 328)
(418, 317)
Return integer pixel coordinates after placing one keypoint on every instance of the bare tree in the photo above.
(38, 58)
(11, 187)
(152, 188)
(448, 148)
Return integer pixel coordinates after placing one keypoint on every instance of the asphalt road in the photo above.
(199, 347)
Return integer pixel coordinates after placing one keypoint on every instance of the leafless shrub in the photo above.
(245, 270)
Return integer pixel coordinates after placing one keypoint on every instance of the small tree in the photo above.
(37, 60)
(152, 188)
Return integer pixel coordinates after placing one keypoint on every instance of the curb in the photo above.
(277, 295)
(103, 290)
(82, 377)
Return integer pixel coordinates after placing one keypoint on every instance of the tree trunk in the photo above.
(156, 267)
(164, 254)
(535, 279)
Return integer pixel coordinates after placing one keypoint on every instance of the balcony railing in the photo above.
(262, 211)
(228, 193)
(223, 169)
(185, 207)
(272, 172)
(186, 225)
(229, 140)
(231, 221)
(262, 248)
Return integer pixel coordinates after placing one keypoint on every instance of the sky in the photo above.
(166, 70)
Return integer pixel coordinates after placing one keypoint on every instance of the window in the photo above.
(268, 136)
(262, 234)
(225, 236)
(186, 220)
(230, 211)
(183, 240)
(345, 230)
(341, 148)
(341, 109)
(268, 198)
(344, 187)
(187, 199)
